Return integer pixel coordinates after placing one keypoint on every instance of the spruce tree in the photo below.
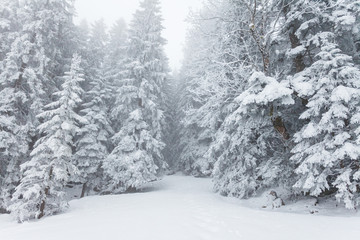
(12, 147)
(114, 68)
(9, 25)
(172, 118)
(117, 44)
(323, 51)
(137, 156)
(196, 97)
(41, 190)
(327, 150)
(92, 145)
(28, 73)
(248, 137)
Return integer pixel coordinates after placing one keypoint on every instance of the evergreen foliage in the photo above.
(41, 190)
(268, 96)
(92, 145)
(274, 122)
(32, 59)
(137, 157)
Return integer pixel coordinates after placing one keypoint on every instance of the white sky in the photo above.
(174, 13)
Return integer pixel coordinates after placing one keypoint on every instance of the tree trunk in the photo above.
(279, 124)
(280, 127)
(46, 193)
(263, 49)
(83, 191)
(299, 59)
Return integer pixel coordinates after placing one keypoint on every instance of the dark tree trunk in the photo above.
(299, 59)
(43, 203)
(83, 190)
(46, 193)
(263, 49)
(280, 127)
(131, 190)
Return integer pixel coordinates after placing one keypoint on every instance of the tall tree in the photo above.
(137, 157)
(41, 191)
(117, 43)
(323, 36)
(197, 92)
(92, 145)
(9, 25)
(115, 67)
(9, 131)
(327, 150)
(30, 71)
(246, 135)
(172, 118)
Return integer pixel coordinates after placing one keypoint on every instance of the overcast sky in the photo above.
(174, 14)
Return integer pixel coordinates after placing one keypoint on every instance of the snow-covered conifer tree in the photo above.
(345, 16)
(248, 148)
(28, 71)
(250, 151)
(93, 140)
(327, 150)
(92, 145)
(97, 44)
(41, 190)
(12, 145)
(198, 105)
(114, 66)
(9, 25)
(323, 50)
(117, 44)
(171, 128)
(137, 157)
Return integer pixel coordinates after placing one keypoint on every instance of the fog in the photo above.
(175, 13)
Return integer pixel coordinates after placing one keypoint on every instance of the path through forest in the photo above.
(177, 208)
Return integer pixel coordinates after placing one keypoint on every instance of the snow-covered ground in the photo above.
(183, 208)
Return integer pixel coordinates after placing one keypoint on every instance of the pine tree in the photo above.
(114, 67)
(91, 43)
(117, 44)
(327, 150)
(250, 151)
(48, 33)
(248, 137)
(92, 145)
(131, 164)
(28, 73)
(346, 18)
(172, 119)
(9, 25)
(83, 48)
(41, 191)
(97, 44)
(196, 97)
(12, 145)
(137, 157)
(92, 142)
(323, 51)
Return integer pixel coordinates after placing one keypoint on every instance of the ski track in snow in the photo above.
(177, 208)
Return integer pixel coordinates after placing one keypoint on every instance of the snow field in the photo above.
(177, 208)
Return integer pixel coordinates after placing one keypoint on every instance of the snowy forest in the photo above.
(268, 97)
